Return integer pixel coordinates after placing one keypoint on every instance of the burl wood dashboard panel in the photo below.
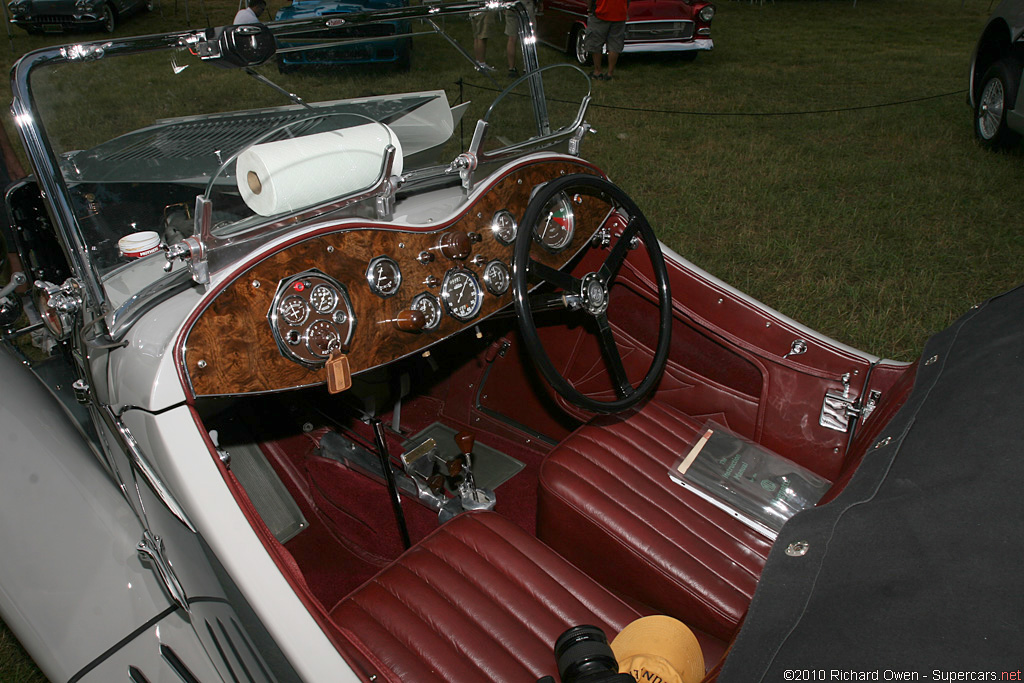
(231, 348)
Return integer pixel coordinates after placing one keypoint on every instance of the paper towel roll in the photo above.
(275, 177)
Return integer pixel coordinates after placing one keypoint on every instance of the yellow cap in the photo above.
(659, 649)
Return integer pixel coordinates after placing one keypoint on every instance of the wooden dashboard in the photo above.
(274, 325)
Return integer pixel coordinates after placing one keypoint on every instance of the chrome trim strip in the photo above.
(139, 462)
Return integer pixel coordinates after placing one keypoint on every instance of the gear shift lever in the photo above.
(465, 442)
(469, 496)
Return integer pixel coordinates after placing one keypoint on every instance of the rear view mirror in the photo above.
(238, 46)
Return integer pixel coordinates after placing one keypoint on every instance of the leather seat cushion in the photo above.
(477, 600)
(607, 504)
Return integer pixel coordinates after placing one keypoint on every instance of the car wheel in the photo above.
(996, 98)
(576, 44)
(108, 21)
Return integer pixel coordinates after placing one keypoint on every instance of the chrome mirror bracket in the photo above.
(577, 138)
(467, 162)
(385, 201)
(193, 249)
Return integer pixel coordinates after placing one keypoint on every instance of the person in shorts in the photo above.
(512, 31)
(606, 26)
(483, 24)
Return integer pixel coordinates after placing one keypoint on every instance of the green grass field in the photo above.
(820, 159)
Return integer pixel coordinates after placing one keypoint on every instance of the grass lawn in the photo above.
(820, 158)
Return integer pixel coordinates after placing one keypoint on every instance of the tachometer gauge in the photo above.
(293, 310)
(323, 299)
(322, 338)
(427, 304)
(496, 277)
(384, 276)
(461, 293)
(555, 229)
(504, 226)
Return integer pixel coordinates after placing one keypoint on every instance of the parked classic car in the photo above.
(994, 85)
(677, 26)
(291, 53)
(315, 382)
(58, 16)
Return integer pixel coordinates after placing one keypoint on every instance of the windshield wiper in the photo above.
(266, 81)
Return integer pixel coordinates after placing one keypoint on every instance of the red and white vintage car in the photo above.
(676, 26)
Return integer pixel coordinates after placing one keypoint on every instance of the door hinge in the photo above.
(838, 407)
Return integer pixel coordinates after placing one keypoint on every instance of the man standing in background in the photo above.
(606, 26)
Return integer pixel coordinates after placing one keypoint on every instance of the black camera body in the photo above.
(584, 656)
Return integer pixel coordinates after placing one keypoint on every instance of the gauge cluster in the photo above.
(367, 293)
(311, 317)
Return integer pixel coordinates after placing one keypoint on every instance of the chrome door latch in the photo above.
(838, 407)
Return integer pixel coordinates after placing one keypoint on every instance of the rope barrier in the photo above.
(683, 112)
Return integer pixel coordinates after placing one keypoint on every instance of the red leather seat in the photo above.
(477, 600)
(607, 505)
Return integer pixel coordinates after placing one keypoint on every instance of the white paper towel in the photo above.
(275, 177)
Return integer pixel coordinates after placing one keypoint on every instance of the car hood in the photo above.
(661, 9)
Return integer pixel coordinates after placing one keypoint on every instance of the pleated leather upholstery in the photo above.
(608, 506)
(478, 600)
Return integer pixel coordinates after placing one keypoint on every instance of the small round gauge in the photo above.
(496, 277)
(430, 307)
(557, 223)
(384, 276)
(504, 226)
(322, 337)
(461, 293)
(293, 310)
(323, 298)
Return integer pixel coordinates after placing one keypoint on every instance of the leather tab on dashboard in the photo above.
(339, 374)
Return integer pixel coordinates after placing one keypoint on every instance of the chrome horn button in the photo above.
(594, 294)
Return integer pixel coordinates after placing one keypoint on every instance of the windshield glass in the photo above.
(139, 129)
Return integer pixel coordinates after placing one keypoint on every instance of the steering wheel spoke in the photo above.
(610, 349)
(610, 268)
(556, 277)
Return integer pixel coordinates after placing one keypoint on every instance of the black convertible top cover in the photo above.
(914, 571)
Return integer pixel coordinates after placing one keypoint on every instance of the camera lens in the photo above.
(582, 651)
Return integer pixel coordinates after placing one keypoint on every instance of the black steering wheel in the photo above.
(590, 294)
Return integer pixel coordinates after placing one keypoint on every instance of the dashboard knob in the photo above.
(455, 245)
(411, 320)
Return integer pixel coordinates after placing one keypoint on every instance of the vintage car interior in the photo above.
(447, 397)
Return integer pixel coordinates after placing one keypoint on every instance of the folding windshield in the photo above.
(135, 130)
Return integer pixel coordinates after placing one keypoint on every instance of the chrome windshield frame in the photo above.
(46, 165)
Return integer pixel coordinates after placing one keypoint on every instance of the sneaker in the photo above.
(484, 67)
(513, 73)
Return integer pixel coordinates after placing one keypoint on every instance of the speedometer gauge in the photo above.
(462, 294)
(557, 223)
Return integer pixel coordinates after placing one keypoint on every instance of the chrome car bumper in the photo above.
(699, 44)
